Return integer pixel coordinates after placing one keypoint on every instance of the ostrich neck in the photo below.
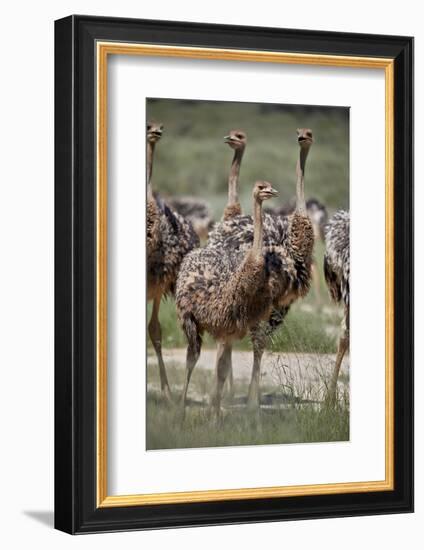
(233, 179)
(300, 185)
(258, 228)
(149, 169)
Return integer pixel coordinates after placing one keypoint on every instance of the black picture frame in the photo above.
(76, 510)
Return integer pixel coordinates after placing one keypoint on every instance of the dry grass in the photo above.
(292, 411)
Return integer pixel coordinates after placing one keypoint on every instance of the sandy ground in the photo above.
(300, 371)
(302, 363)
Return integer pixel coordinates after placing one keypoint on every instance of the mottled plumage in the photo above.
(225, 291)
(195, 210)
(290, 276)
(337, 257)
(237, 232)
(152, 227)
(337, 272)
(231, 210)
(173, 239)
(316, 210)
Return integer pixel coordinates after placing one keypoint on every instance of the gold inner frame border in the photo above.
(103, 50)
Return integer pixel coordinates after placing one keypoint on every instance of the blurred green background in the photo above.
(192, 158)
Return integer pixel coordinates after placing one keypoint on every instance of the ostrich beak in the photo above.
(156, 134)
(270, 192)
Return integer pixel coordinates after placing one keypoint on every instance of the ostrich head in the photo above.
(304, 137)
(154, 131)
(236, 139)
(263, 191)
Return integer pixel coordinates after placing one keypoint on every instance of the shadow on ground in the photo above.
(46, 517)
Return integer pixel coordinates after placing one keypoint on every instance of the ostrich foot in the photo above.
(253, 396)
(166, 395)
(181, 413)
(330, 399)
(253, 401)
(214, 413)
(217, 419)
(230, 392)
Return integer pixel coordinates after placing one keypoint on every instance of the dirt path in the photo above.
(298, 366)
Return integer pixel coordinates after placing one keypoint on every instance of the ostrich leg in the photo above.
(155, 334)
(230, 379)
(343, 346)
(258, 341)
(223, 365)
(193, 353)
(260, 336)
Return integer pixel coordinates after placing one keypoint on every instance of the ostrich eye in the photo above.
(161, 126)
(309, 134)
(239, 136)
(149, 126)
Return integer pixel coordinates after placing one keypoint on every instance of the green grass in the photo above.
(296, 422)
(241, 427)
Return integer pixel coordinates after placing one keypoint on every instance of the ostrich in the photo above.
(336, 271)
(292, 280)
(318, 215)
(237, 140)
(195, 210)
(292, 239)
(169, 238)
(224, 292)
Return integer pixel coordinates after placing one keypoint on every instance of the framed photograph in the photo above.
(233, 266)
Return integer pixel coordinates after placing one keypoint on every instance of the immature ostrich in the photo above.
(169, 238)
(224, 292)
(195, 210)
(318, 215)
(292, 280)
(154, 133)
(237, 140)
(336, 271)
(291, 239)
